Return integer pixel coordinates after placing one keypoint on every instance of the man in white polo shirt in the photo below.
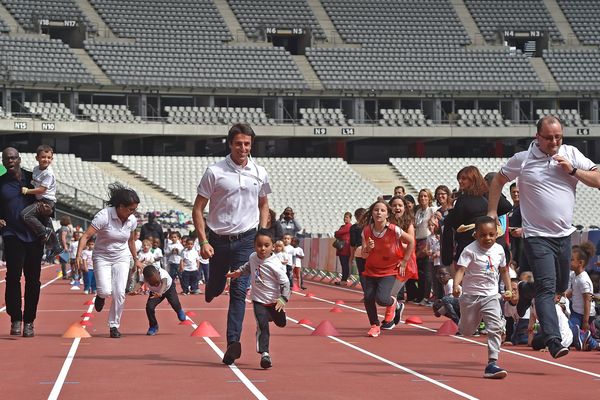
(547, 173)
(237, 189)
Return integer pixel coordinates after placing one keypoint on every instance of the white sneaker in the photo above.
(86, 291)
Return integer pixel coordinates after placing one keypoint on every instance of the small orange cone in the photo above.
(186, 322)
(413, 320)
(447, 328)
(336, 310)
(339, 302)
(325, 328)
(305, 321)
(205, 329)
(86, 323)
(190, 314)
(76, 331)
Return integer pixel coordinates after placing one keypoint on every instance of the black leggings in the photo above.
(378, 291)
(265, 313)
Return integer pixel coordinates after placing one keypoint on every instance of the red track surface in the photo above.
(175, 365)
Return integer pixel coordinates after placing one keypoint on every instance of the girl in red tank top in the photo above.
(385, 259)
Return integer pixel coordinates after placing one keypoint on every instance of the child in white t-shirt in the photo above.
(189, 269)
(291, 254)
(582, 290)
(280, 253)
(298, 256)
(448, 305)
(156, 252)
(76, 274)
(270, 291)
(173, 252)
(160, 286)
(89, 280)
(478, 269)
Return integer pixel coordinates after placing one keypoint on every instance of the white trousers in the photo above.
(111, 281)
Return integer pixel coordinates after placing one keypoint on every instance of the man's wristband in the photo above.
(572, 173)
(202, 243)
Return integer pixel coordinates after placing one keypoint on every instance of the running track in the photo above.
(410, 360)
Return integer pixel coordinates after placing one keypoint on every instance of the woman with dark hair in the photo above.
(114, 228)
(471, 204)
(287, 224)
(443, 198)
(343, 252)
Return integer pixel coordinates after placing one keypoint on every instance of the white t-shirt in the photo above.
(566, 333)
(582, 284)
(190, 260)
(290, 254)
(73, 249)
(542, 186)
(422, 218)
(448, 287)
(233, 194)
(174, 257)
(112, 236)
(510, 311)
(86, 256)
(203, 260)
(482, 269)
(268, 279)
(161, 288)
(298, 256)
(158, 255)
(44, 178)
(433, 242)
(283, 257)
(138, 245)
(146, 257)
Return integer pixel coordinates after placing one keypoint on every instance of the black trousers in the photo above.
(25, 259)
(378, 291)
(170, 295)
(265, 313)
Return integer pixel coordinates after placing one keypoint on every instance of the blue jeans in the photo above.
(89, 281)
(452, 307)
(549, 259)
(174, 271)
(230, 255)
(189, 281)
(519, 335)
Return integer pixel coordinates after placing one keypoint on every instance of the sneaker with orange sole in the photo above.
(374, 331)
(390, 311)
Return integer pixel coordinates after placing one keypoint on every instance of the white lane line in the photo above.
(393, 364)
(48, 266)
(243, 378)
(516, 353)
(62, 375)
(41, 287)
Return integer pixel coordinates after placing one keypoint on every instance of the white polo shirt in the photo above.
(547, 193)
(233, 194)
(112, 236)
(44, 178)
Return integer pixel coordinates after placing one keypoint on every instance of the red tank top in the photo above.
(383, 259)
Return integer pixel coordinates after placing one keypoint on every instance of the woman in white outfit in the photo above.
(114, 228)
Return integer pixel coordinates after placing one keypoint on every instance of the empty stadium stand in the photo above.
(108, 113)
(403, 117)
(320, 190)
(256, 15)
(413, 46)
(217, 115)
(180, 44)
(29, 12)
(519, 15)
(568, 117)
(584, 18)
(575, 69)
(32, 59)
(481, 118)
(49, 111)
(3, 26)
(324, 117)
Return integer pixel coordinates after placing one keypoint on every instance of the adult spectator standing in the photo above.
(399, 191)
(152, 229)
(22, 249)
(515, 223)
(114, 228)
(288, 224)
(343, 252)
(237, 189)
(548, 173)
(64, 235)
(423, 212)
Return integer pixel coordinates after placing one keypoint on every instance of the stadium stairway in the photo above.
(93, 69)
(130, 178)
(308, 73)
(90, 12)
(543, 72)
(9, 20)
(331, 33)
(383, 176)
(468, 23)
(560, 20)
(231, 21)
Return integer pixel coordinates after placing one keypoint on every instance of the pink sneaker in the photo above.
(374, 331)
(390, 311)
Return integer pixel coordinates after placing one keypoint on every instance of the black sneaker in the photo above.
(388, 325)
(493, 371)
(99, 303)
(28, 330)
(398, 314)
(234, 351)
(265, 360)
(526, 294)
(16, 328)
(114, 332)
(556, 349)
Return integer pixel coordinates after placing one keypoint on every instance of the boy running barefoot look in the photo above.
(270, 291)
(478, 270)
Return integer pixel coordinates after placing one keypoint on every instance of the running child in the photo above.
(385, 260)
(160, 286)
(38, 213)
(89, 280)
(270, 291)
(478, 269)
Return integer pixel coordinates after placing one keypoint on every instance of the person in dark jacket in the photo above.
(152, 229)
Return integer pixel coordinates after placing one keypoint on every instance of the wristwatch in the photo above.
(572, 173)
